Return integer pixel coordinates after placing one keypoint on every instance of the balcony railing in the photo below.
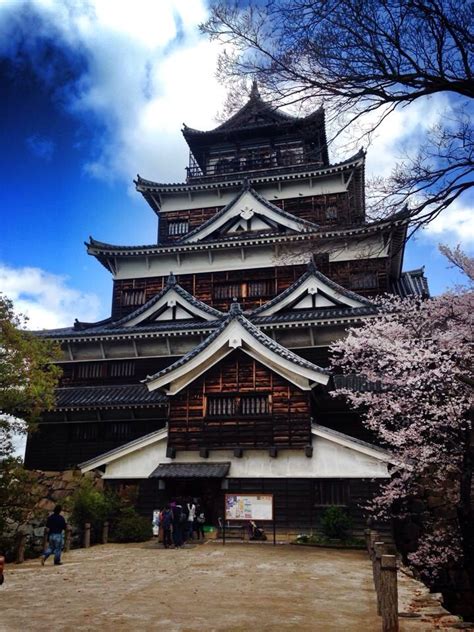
(226, 168)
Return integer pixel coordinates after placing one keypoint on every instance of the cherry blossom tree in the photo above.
(419, 353)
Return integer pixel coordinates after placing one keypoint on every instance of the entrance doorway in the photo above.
(206, 490)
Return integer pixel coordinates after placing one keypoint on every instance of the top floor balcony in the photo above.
(254, 163)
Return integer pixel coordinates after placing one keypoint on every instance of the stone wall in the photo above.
(51, 489)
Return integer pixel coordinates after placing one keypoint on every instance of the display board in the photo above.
(249, 506)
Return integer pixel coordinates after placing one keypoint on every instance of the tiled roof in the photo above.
(275, 209)
(309, 315)
(255, 113)
(122, 396)
(357, 383)
(191, 470)
(150, 329)
(411, 283)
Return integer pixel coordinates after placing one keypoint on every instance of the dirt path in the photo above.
(205, 588)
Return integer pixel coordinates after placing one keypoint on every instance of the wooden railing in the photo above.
(384, 569)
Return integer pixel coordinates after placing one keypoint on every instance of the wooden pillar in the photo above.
(379, 550)
(389, 593)
(105, 533)
(87, 535)
(67, 539)
(373, 538)
(21, 545)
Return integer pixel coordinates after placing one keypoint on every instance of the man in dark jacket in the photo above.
(56, 526)
(177, 510)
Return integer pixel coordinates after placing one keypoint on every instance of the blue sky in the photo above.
(97, 91)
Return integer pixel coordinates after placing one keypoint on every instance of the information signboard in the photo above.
(249, 506)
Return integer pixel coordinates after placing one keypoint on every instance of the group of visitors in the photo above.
(179, 521)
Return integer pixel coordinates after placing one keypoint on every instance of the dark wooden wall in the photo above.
(287, 423)
(59, 446)
(339, 209)
(365, 276)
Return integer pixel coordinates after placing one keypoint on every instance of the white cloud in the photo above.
(453, 226)
(147, 69)
(46, 299)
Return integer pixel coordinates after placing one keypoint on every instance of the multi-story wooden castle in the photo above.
(211, 373)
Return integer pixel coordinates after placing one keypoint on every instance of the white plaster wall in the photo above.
(249, 257)
(329, 460)
(325, 185)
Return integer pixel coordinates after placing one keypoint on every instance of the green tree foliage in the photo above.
(336, 523)
(28, 375)
(131, 527)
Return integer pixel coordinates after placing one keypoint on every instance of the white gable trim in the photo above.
(170, 299)
(352, 444)
(127, 448)
(312, 285)
(247, 207)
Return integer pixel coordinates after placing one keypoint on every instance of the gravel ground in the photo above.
(203, 587)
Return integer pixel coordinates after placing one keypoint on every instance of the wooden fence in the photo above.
(384, 568)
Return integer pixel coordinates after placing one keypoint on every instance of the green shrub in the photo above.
(336, 523)
(88, 504)
(131, 527)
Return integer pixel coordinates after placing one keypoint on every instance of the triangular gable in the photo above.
(312, 291)
(236, 332)
(335, 455)
(248, 212)
(172, 303)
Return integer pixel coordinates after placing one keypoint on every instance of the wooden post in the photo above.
(87, 535)
(379, 550)
(373, 538)
(367, 539)
(105, 533)
(389, 593)
(20, 552)
(67, 539)
(2, 566)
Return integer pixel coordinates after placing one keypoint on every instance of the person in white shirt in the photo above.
(191, 516)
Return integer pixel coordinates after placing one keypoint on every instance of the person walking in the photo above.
(56, 526)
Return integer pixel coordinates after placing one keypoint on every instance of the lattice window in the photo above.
(331, 492)
(238, 405)
(364, 281)
(260, 288)
(91, 370)
(122, 369)
(228, 290)
(178, 227)
(249, 289)
(331, 212)
(119, 430)
(83, 432)
(130, 298)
